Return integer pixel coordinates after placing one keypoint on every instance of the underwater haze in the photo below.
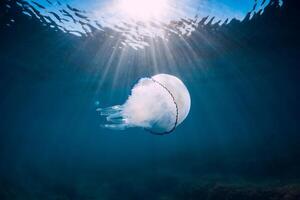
(60, 61)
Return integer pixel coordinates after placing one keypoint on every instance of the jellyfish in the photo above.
(157, 104)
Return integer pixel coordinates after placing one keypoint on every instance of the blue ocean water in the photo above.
(239, 141)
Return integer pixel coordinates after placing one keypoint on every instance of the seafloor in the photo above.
(161, 186)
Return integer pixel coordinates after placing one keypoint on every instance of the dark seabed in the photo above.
(240, 141)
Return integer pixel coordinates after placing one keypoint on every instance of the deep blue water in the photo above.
(240, 140)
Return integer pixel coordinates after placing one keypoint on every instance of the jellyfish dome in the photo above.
(157, 104)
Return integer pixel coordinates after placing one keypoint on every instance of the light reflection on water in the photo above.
(136, 25)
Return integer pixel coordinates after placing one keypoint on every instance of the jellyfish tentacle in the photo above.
(113, 115)
(109, 110)
(116, 120)
(115, 126)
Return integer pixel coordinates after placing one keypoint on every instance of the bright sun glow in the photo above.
(144, 10)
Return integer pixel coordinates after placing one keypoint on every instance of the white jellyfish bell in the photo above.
(157, 104)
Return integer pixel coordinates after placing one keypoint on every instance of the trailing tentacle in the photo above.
(114, 115)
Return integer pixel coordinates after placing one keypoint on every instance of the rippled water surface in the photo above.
(137, 21)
